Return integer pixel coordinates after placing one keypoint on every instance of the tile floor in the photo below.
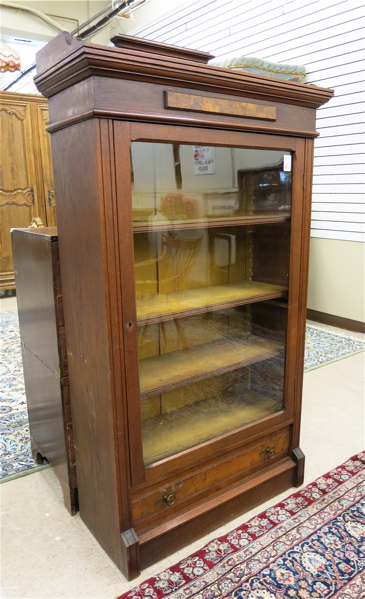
(47, 554)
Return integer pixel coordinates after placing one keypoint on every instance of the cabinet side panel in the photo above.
(79, 189)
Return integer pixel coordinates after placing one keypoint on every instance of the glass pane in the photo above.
(211, 276)
(173, 182)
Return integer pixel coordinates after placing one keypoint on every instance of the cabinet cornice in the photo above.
(77, 60)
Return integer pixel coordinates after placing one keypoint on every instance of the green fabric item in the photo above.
(258, 66)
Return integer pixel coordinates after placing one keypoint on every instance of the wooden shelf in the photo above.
(170, 433)
(179, 368)
(142, 226)
(168, 306)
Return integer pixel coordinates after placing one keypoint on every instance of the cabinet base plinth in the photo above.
(299, 458)
(170, 536)
(130, 554)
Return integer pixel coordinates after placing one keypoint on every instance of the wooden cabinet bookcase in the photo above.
(183, 220)
(26, 176)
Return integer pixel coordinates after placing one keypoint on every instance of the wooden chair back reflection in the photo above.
(177, 257)
(170, 269)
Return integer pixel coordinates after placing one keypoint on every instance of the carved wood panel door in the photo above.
(46, 161)
(25, 172)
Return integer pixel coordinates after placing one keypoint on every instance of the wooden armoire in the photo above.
(184, 195)
(26, 175)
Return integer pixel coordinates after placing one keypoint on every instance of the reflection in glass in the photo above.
(211, 270)
(170, 183)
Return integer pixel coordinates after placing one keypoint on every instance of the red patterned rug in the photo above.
(311, 545)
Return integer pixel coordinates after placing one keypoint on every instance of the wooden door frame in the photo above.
(124, 134)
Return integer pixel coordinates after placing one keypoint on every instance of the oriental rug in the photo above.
(15, 449)
(322, 347)
(311, 545)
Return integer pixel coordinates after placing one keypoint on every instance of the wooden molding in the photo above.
(78, 60)
(172, 120)
(143, 45)
(299, 458)
(356, 326)
(130, 550)
(22, 99)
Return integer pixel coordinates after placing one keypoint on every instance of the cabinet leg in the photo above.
(299, 458)
(130, 554)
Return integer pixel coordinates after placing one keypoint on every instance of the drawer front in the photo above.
(178, 495)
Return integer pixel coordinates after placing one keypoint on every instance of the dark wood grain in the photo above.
(110, 234)
(300, 237)
(178, 533)
(149, 46)
(81, 225)
(101, 99)
(210, 478)
(78, 61)
(299, 457)
(128, 312)
(130, 552)
(105, 101)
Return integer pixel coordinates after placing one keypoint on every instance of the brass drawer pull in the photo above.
(168, 498)
(269, 452)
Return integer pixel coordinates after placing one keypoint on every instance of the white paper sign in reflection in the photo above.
(204, 160)
(287, 163)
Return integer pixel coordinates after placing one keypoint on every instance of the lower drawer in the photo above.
(196, 486)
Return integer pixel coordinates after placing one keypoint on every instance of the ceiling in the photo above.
(28, 30)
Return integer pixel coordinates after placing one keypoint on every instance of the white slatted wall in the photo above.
(327, 36)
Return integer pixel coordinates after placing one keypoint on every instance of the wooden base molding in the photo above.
(356, 326)
(147, 548)
(173, 535)
(299, 458)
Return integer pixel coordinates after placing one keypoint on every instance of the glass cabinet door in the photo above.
(211, 246)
